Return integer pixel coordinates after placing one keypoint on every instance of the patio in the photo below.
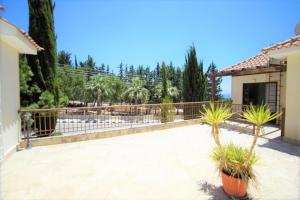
(167, 164)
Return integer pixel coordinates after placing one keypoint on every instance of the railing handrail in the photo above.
(103, 107)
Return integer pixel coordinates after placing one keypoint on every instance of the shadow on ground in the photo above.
(215, 193)
(279, 145)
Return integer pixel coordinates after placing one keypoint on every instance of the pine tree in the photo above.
(213, 69)
(64, 58)
(43, 65)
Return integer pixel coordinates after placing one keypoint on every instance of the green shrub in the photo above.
(167, 110)
(56, 133)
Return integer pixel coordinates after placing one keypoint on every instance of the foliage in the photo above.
(98, 88)
(164, 91)
(214, 115)
(213, 69)
(72, 82)
(46, 100)
(136, 92)
(233, 162)
(258, 115)
(27, 90)
(43, 66)
(116, 87)
(57, 133)
(167, 110)
(64, 58)
(194, 80)
(171, 91)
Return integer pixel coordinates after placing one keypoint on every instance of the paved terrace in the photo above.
(161, 165)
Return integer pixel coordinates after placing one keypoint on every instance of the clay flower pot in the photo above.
(234, 186)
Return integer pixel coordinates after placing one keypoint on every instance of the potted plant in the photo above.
(235, 164)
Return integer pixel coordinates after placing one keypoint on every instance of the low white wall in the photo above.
(9, 98)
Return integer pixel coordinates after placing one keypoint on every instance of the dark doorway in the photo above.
(261, 93)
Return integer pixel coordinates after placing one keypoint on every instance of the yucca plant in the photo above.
(214, 115)
(258, 115)
(234, 161)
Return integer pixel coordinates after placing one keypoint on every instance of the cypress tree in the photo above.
(164, 91)
(194, 80)
(41, 29)
(76, 64)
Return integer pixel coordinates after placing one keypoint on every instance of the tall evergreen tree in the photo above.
(89, 67)
(164, 91)
(194, 80)
(107, 69)
(158, 70)
(41, 29)
(121, 71)
(76, 64)
(64, 58)
(102, 68)
(213, 69)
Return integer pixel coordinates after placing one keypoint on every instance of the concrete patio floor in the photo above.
(160, 165)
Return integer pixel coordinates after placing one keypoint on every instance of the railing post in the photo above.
(282, 123)
(28, 122)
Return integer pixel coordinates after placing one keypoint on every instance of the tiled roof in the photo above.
(292, 42)
(260, 60)
(24, 34)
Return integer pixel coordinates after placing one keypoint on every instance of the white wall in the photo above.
(292, 119)
(9, 98)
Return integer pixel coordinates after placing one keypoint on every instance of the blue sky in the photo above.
(148, 31)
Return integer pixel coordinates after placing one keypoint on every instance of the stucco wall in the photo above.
(238, 81)
(9, 98)
(292, 120)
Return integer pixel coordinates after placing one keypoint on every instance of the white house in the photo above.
(13, 41)
(273, 78)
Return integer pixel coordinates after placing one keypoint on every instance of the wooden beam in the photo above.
(213, 86)
(260, 71)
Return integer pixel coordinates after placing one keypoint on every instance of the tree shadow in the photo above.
(215, 193)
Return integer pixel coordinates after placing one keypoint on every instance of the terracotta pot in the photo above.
(234, 186)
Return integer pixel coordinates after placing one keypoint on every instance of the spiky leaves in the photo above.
(234, 161)
(258, 115)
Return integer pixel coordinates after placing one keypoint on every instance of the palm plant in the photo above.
(137, 92)
(235, 158)
(214, 115)
(99, 88)
(258, 115)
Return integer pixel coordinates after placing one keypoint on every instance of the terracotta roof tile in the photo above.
(260, 60)
(25, 35)
(292, 42)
